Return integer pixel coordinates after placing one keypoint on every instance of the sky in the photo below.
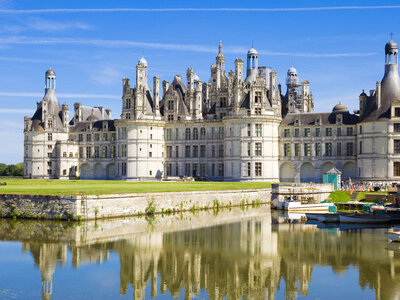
(338, 46)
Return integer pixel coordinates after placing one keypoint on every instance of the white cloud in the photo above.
(283, 9)
(44, 25)
(61, 95)
(107, 76)
(22, 40)
(16, 111)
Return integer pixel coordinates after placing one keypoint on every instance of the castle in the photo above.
(235, 127)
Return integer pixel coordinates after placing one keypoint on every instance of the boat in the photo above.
(328, 218)
(364, 218)
(313, 215)
(299, 206)
(378, 207)
(394, 236)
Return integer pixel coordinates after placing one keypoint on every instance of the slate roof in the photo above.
(325, 118)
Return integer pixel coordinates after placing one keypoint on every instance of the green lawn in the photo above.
(97, 187)
(344, 196)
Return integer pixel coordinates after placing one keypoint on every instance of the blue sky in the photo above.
(340, 50)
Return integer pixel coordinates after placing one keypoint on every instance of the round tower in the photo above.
(292, 78)
(390, 86)
(50, 79)
(252, 64)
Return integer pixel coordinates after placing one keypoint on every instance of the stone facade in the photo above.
(232, 127)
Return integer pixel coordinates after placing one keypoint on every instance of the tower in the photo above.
(141, 73)
(156, 95)
(252, 65)
(220, 59)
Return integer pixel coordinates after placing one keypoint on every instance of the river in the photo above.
(250, 253)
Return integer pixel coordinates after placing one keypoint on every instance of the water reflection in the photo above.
(236, 254)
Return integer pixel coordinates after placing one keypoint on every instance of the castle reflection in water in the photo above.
(237, 254)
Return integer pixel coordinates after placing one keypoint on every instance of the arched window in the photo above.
(202, 133)
(195, 134)
(187, 133)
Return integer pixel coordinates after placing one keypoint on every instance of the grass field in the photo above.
(344, 196)
(97, 187)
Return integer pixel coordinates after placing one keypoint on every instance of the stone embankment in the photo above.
(86, 207)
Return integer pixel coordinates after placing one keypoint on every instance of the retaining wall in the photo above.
(120, 205)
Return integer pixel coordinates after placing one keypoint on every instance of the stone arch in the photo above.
(349, 170)
(111, 171)
(85, 171)
(325, 168)
(286, 172)
(98, 171)
(307, 172)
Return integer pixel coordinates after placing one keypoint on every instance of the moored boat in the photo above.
(298, 206)
(329, 218)
(313, 215)
(364, 218)
(393, 236)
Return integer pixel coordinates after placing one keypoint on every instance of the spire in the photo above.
(220, 48)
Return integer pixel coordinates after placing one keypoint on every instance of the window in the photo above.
(150, 154)
(176, 133)
(49, 155)
(257, 97)
(221, 150)
(258, 129)
(202, 133)
(104, 152)
(97, 137)
(286, 132)
(187, 151)
(169, 169)
(328, 131)
(296, 149)
(360, 147)
(318, 149)
(187, 134)
(105, 136)
(169, 134)
(80, 151)
(349, 149)
(221, 133)
(80, 137)
(203, 151)
(257, 111)
(317, 131)
(339, 149)
(221, 170)
(286, 149)
(361, 129)
(195, 168)
(249, 169)
(123, 133)
(396, 168)
(339, 131)
(195, 151)
(213, 151)
(64, 172)
(397, 111)
(397, 146)
(113, 151)
(258, 149)
(248, 129)
(296, 132)
(88, 152)
(88, 137)
(223, 102)
(170, 117)
(212, 169)
(96, 152)
(123, 154)
(123, 169)
(170, 105)
(328, 149)
(396, 127)
(202, 170)
(307, 131)
(113, 136)
(213, 133)
(258, 169)
(49, 137)
(248, 149)
(169, 151)
(176, 151)
(307, 149)
(50, 123)
(195, 134)
(187, 169)
(349, 131)
(176, 170)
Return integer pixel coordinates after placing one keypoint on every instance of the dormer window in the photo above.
(339, 119)
(318, 121)
(296, 122)
(397, 111)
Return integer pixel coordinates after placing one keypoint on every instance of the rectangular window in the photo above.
(339, 149)
(170, 105)
(221, 133)
(169, 151)
(195, 151)
(213, 151)
(221, 170)
(296, 149)
(202, 170)
(202, 150)
(258, 149)
(307, 131)
(113, 136)
(396, 146)
(123, 151)
(169, 134)
(88, 152)
(317, 131)
(49, 137)
(123, 133)
(248, 129)
(88, 137)
(286, 132)
(397, 111)
(150, 155)
(296, 132)
(104, 152)
(81, 152)
(187, 151)
(97, 137)
(257, 111)
(202, 133)
(307, 149)
(258, 169)
(286, 149)
(249, 169)
(328, 131)
(113, 151)
(187, 134)
(176, 151)
(212, 169)
(187, 169)
(169, 169)
(349, 131)
(360, 147)
(257, 97)
(80, 137)
(339, 131)
(349, 149)
(248, 149)
(396, 127)
(170, 117)
(223, 102)
(221, 150)
(123, 169)
(176, 133)
(176, 170)
(396, 168)
(213, 133)
(328, 149)
(318, 149)
(105, 137)
(258, 129)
